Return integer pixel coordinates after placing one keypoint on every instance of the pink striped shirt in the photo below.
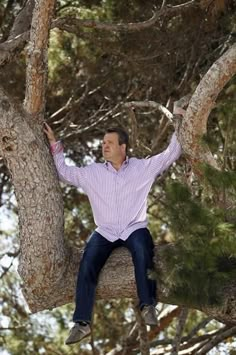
(118, 198)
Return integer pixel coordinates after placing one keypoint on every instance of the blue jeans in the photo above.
(96, 253)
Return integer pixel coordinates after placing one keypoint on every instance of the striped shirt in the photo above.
(118, 198)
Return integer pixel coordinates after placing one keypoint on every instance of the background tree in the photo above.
(103, 55)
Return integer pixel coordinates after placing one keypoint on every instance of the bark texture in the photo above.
(117, 281)
(194, 124)
(37, 61)
(42, 249)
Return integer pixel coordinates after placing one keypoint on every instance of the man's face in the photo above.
(111, 150)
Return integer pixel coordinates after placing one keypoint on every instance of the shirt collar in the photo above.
(125, 163)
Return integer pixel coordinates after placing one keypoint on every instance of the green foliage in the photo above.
(203, 256)
(219, 179)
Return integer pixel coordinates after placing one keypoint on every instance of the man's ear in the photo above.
(123, 147)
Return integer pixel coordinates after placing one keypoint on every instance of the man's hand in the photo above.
(179, 111)
(180, 106)
(49, 133)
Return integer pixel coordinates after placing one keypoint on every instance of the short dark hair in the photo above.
(123, 136)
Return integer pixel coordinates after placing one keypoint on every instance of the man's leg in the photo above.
(95, 255)
(141, 247)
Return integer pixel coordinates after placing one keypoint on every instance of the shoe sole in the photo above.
(77, 341)
(152, 324)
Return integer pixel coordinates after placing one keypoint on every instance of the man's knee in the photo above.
(141, 240)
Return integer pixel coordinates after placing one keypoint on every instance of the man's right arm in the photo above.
(68, 174)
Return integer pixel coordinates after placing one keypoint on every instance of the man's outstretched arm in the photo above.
(157, 164)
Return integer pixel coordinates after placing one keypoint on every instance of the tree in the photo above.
(46, 262)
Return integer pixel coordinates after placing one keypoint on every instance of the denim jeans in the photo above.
(96, 253)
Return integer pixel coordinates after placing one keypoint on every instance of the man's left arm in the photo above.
(157, 164)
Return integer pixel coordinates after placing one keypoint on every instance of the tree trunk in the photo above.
(42, 247)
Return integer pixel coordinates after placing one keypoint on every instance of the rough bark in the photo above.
(194, 124)
(37, 60)
(42, 249)
(117, 281)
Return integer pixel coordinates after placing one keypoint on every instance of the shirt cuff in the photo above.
(56, 148)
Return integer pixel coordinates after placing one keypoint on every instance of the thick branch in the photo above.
(37, 61)
(194, 124)
(111, 279)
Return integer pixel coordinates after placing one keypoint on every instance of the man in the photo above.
(117, 191)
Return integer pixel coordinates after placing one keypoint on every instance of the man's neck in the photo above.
(117, 164)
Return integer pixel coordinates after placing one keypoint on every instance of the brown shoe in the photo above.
(149, 315)
(77, 333)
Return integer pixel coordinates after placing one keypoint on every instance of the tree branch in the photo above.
(151, 105)
(143, 338)
(179, 330)
(223, 334)
(194, 123)
(19, 34)
(74, 24)
(37, 60)
(199, 326)
(42, 255)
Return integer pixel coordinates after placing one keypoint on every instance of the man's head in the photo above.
(115, 144)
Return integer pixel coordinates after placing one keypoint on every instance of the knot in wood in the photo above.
(8, 141)
(5, 104)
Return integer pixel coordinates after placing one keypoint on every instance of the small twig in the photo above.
(134, 128)
(6, 269)
(200, 326)
(151, 105)
(12, 328)
(223, 334)
(64, 24)
(161, 131)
